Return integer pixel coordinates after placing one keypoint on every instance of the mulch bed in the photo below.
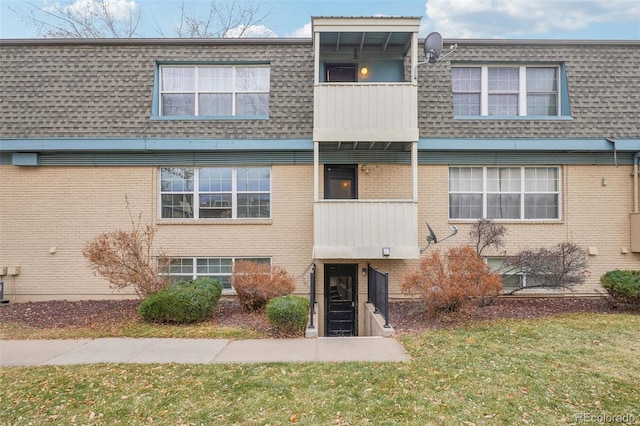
(407, 317)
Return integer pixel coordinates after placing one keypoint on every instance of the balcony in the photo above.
(365, 112)
(359, 229)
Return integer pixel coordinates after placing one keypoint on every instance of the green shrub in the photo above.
(288, 313)
(623, 285)
(182, 303)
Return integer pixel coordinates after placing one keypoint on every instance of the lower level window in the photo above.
(512, 280)
(220, 268)
(521, 193)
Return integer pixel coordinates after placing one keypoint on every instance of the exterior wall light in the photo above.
(386, 251)
(364, 71)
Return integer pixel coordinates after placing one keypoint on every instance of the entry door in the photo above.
(341, 299)
(341, 182)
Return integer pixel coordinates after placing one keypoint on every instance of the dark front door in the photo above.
(340, 182)
(341, 299)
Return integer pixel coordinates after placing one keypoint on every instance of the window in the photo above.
(506, 91)
(519, 193)
(214, 91)
(215, 192)
(512, 280)
(220, 268)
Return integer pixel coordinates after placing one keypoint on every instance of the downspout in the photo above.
(636, 159)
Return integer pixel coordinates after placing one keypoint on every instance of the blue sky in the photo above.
(528, 19)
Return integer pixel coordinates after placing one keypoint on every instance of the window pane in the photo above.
(252, 79)
(465, 179)
(465, 206)
(216, 179)
(214, 104)
(504, 79)
(503, 179)
(541, 206)
(176, 179)
(177, 206)
(178, 104)
(466, 104)
(215, 206)
(542, 105)
(465, 79)
(542, 80)
(178, 79)
(254, 205)
(541, 179)
(181, 266)
(215, 79)
(214, 265)
(501, 206)
(503, 105)
(254, 179)
(252, 104)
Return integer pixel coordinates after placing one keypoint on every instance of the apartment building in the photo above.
(328, 154)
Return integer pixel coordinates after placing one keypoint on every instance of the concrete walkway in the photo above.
(199, 351)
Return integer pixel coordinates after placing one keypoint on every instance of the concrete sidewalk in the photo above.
(199, 351)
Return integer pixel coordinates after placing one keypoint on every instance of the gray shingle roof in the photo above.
(104, 89)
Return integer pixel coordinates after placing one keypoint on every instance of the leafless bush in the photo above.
(446, 282)
(125, 258)
(559, 267)
(257, 283)
(486, 233)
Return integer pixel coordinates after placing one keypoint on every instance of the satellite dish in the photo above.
(431, 238)
(433, 47)
(432, 235)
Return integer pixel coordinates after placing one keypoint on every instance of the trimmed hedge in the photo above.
(183, 302)
(288, 313)
(623, 285)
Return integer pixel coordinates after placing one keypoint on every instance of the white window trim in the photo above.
(522, 93)
(522, 192)
(233, 91)
(234, 195)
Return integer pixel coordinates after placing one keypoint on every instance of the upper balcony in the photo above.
(364, 87)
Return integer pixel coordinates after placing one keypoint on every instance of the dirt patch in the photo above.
(410, 317)
(405, 316)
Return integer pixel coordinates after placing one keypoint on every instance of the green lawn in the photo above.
(546, 371)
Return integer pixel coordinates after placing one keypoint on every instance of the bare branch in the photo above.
(486, 233)
(560, 267)
(73, 19)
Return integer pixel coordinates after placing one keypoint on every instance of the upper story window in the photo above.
(214, 91)
(506, 91)
(519, 193)
(215, 193)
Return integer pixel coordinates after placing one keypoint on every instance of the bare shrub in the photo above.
(486, 233)
(257, 283)
(559, 267)
(446, 282)
(125, 258)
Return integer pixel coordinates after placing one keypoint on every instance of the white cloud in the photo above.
(510, 18)
(257, 31)
(119, 9)
(302, 32)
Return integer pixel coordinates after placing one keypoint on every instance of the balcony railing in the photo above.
(360, 111)
(360, 229)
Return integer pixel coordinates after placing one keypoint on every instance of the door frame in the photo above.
(350, 269)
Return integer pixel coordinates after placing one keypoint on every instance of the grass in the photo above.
(545, 371)
(134, 328)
